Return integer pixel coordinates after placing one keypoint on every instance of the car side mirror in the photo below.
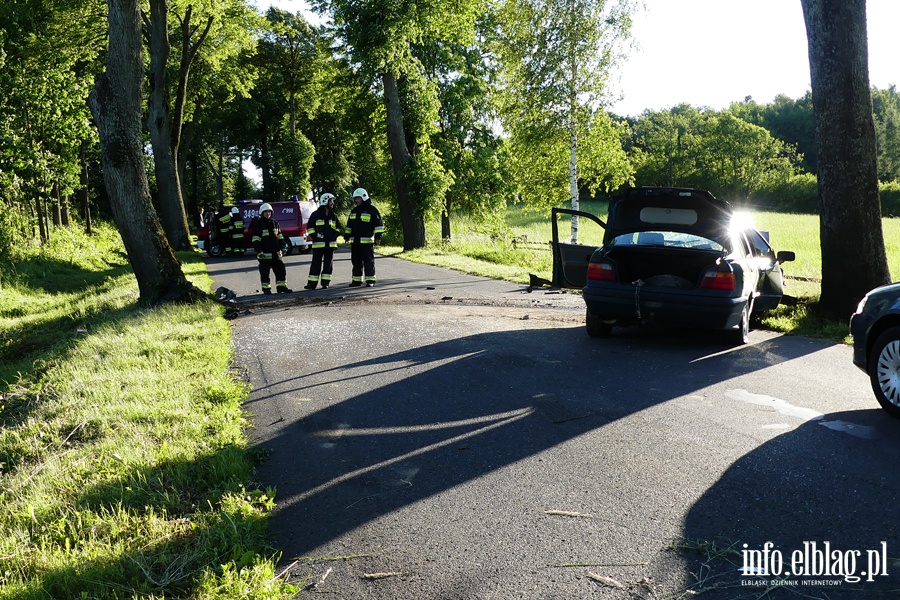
(784, 256)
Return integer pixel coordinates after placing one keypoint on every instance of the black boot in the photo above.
(355, 284)
(267, 291)
(325, 285)
(310, 286)
(283, 289)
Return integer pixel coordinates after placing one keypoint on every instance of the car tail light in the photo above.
(718, 280)
(601, 272)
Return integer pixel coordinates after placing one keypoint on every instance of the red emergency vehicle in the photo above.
(292, 217)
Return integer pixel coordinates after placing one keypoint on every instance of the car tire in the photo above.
(596, 328)
(305, 249)
(286, 246)
(884, 370)
(214, 249)
(742, 334)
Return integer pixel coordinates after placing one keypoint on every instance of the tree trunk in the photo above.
(853, 254)
(183, 133)
(115, 102)
(445, 220)
(218, 175)
(57, 207)
(573, 177)
(41, 219)
(181, 156)
(84, 192)
(265, 167)
(171, 205)
(413, 225)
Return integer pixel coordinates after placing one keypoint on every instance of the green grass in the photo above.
(498, 256)
(123, 469)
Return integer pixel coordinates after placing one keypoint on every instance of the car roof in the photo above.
(685, 210)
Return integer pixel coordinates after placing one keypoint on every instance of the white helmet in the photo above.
(361, 193)
(324, 198)
(234, 210)
(266, 206)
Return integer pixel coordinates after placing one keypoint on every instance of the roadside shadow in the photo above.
(457, 409)
(806, 491)
(173, 539)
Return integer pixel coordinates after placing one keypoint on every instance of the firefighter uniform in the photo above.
(223, 230)
(237, 232)
(363, 231)
(323, 229)
(267, 240)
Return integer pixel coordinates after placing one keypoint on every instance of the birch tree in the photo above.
(555, 58)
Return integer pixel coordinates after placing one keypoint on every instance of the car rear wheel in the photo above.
(286, 246)
(884, 370)
(595, 327)
(742, 335)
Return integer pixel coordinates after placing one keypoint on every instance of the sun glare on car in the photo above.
(741, 220)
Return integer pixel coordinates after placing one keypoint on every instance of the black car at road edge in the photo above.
(875, 328)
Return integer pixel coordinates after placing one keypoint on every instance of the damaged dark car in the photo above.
(671, 256)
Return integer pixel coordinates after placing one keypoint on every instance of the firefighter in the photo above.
(237, 232)
(363, 231)
(323, 230)
(267, 240)
(223, 230)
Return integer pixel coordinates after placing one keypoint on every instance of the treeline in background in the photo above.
(303, 104)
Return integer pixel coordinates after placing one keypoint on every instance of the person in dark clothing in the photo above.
(223, 230)
(267, 240)
(323, 230)
(363, 231)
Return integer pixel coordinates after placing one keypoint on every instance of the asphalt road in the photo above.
(448, 436)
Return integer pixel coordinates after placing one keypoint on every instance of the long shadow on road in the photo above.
(350, 443)
(821, 496)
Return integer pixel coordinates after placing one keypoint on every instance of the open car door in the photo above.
(570, 261)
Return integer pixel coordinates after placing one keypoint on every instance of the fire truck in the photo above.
(292, 217)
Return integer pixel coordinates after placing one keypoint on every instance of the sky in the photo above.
(710, 53)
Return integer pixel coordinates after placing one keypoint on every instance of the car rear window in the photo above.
(668, 216)
(666, 239)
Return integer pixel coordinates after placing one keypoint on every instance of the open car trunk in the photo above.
(661, 267)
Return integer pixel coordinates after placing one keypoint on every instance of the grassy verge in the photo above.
(522, 249)
(123, 470)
